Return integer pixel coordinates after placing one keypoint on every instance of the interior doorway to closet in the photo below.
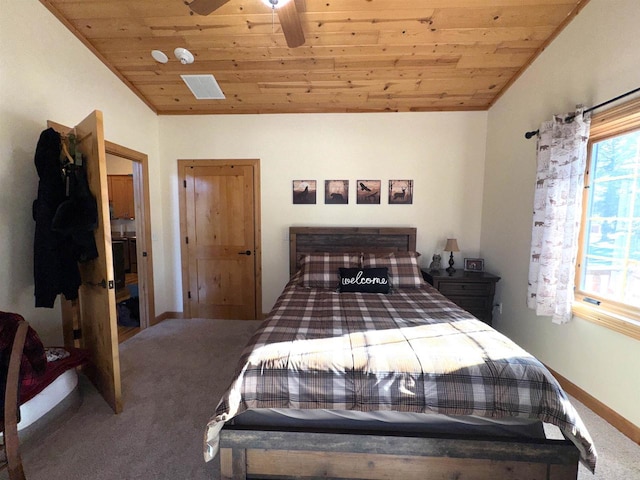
(220, 232)
(127, 179)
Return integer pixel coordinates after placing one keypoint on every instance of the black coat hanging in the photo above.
(65, 219)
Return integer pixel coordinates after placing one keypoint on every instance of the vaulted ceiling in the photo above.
(357, 56)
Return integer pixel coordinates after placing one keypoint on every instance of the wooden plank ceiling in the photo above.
(358, 55)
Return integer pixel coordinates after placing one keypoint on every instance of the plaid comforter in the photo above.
(409, 351)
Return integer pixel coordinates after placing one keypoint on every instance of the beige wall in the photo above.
(596, 58)
(118, 165)
(47, 74)
(442, 152)
(56, 77)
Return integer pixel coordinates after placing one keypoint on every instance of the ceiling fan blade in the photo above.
(205, 7)
(290, 23)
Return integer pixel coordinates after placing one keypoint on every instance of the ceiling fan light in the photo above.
(275, 3)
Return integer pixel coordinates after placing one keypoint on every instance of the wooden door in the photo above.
(90, 322)
(220, 252)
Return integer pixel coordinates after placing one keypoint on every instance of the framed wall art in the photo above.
(304, 192)
(336, 192)
(368, 192)
(400, 192)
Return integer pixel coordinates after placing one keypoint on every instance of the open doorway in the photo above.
(127, 178)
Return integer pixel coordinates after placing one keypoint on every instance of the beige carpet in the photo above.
(172, 377)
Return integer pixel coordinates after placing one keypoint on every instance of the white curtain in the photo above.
(557, 210)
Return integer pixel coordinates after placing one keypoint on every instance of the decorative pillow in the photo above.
(404, 270)
(320, 270)
(366, 280)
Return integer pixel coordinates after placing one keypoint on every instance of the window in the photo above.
(608, 271)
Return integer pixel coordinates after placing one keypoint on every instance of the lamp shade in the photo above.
(452, 245)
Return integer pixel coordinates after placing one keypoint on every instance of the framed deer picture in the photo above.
(400, 192)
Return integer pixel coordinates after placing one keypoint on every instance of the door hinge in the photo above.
(186, 239)
(189, 295)
(184, 183)
(112, 285)
(77, 334)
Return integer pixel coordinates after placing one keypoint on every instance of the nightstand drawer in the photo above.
(472, 303)
(472, 292)
(466, 288)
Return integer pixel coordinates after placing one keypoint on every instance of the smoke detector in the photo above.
(184, 55)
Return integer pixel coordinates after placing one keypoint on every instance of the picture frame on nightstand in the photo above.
(474, 265)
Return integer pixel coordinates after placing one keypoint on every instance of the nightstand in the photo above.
(473, 291)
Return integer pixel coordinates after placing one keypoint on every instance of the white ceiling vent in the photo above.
(203, 87)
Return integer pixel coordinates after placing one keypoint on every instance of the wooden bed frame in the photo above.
(283, 453)
(305, 240)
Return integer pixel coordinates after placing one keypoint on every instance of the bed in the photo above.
(404, 384)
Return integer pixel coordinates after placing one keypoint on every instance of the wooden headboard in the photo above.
(305, 240)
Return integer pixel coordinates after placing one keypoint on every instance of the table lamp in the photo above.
(451, 246)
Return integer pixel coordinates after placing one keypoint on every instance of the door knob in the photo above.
(248, 252)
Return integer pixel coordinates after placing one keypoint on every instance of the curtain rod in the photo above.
(533, 133)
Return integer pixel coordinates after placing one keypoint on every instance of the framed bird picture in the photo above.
(368, 192)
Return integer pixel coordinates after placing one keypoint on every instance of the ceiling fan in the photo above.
(288, 16)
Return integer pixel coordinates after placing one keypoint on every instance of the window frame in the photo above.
(622, 318)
